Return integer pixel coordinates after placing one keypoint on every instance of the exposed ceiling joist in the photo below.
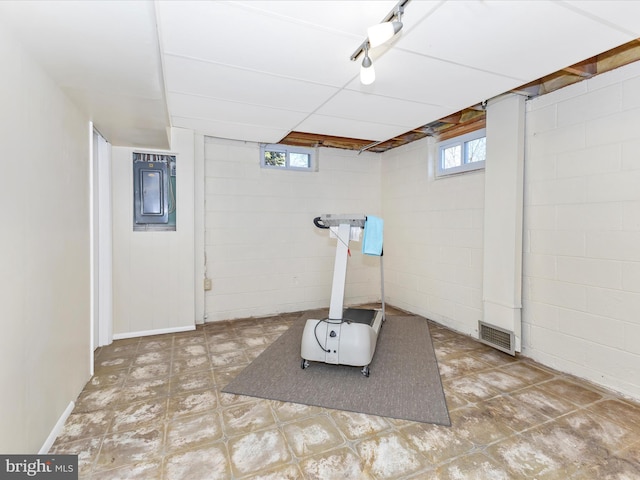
(586, 69)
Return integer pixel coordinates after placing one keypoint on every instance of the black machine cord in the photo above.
(319, 223)
(330, 322)
(315, 331)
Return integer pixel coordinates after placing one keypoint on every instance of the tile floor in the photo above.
(154, 410)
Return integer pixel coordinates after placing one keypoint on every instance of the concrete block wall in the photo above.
(433, 238)
(581, 265)
(263, 253)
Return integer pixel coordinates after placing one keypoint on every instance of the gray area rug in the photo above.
(404, 382)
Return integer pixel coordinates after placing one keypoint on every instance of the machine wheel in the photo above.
(304, 364)
(365, 370)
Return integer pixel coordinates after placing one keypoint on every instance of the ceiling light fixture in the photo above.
(385, 31)
(378, 34)
(367, 73)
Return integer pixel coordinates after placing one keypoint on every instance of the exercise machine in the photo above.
(347, 336)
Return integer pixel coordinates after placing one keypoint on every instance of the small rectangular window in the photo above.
(462, 154)
(476, 150)
(299, 160)
(287, 157)
(275, 159)
(452, 156)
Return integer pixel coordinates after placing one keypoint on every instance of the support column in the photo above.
(503, 209)
(340, 272)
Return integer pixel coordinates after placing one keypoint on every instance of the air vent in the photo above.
(496, 337)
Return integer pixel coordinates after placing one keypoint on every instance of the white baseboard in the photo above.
(146, 333)
(56, 429)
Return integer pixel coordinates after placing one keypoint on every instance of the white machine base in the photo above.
(349, 341)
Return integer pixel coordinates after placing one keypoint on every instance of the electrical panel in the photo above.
(154, 204)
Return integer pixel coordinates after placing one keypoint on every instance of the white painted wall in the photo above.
(45, 261)
(581, 239)
(434, 237)
(263, 252)
(154, 272)
(503, 200)
(582, 230)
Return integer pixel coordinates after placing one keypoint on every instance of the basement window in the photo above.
(287, 157)
(462, 154)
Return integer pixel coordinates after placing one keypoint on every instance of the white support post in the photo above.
(504, 180)
(340, 272)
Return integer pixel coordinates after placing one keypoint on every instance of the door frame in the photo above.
(101, 242)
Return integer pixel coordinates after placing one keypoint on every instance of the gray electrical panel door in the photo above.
(150, 186)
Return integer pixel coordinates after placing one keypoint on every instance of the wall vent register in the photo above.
(497, 337)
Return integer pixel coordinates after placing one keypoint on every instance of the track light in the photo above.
(377, 35)
(383, 32)
(367, 72)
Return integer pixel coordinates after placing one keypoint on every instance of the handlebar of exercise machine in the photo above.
(333, 220)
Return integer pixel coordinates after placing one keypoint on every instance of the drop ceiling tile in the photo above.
(233, 131)
(190, 106)
(624, 14)
(422, 79)
(344, 127)
(357, 105)
(219, 81)
(228, 34)
(523, 39)
(352, 17)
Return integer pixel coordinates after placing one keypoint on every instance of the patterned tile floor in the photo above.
(154, 410)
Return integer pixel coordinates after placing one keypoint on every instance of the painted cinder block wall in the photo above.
(581, 286)
(434, 237)
(581, 233)
(263, 253)
(581, 260)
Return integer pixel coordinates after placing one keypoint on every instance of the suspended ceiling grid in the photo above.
(262, 71)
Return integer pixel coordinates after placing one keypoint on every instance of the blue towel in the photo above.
(372, 240)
